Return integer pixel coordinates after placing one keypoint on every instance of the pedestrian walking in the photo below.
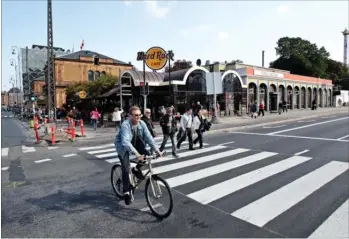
(199, 127)
(168, 125)
(95, 115)
(117, 118)
(186, 125)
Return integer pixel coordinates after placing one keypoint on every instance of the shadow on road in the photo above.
(71, 203)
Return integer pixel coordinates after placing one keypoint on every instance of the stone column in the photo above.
(268, 100)
(258, 95)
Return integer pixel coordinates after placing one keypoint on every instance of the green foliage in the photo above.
(92, 88)
(302, 57)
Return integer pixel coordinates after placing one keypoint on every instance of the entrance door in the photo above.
(273, 101)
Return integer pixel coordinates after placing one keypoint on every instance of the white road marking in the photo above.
(148, 209)
(302, 152)
(26, 149)
(4, 152)
(265, 209)
(189, 153)
(195, 161)
(107, 155)
(291, 136)
(273, 127)
(98, 147)
(343, 137)
(69, 155)
(227, 187)
(231, 142)
(114, 160)
(52, 147)
(306, 126)
(305, 121)
(42, 160)
(207, 172)
(4, 168)
(102, 151)
(336, 226)
(328, 117)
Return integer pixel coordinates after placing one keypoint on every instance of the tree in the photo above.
(301, 57)
(93, 88)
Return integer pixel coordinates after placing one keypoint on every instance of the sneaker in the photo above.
(127, 198)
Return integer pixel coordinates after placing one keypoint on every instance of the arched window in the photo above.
(90, 76)
(103, 73)
(97, 75)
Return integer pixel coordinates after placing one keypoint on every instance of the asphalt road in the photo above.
(256, 183)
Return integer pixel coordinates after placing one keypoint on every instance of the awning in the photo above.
(111, 92)
(153, 78)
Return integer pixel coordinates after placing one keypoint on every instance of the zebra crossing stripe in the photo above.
(336, 226)
(184, 164)
(97, 147)
(4, 152)
(227, 187)
(101, 151)
(263, 210)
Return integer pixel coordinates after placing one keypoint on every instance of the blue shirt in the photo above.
(123, 140)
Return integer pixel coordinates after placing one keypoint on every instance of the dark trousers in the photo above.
(117, 125)
(199, 138)
(164, 142)
(188, 133)
(261, 112)
(125, 167)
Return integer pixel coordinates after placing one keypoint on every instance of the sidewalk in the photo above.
(227, 122)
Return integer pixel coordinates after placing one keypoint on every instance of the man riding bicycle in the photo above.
(133, 138)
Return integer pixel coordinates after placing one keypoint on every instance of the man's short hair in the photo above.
(133, 109)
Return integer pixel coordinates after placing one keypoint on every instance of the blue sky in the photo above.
(209, 30)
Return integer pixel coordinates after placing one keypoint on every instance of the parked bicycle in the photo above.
(154, 186)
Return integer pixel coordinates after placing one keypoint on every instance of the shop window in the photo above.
(90, 76)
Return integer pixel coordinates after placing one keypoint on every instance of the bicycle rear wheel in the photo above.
(161, 190)
(116, 180)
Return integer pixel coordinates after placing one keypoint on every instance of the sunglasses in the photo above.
(137, 115)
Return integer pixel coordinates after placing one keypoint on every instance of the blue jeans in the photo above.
(125, 168)
(94, 123)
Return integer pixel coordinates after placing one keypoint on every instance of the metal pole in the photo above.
(120, 85)
(262, 58)
(144, 95)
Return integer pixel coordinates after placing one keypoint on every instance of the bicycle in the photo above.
(152, 183)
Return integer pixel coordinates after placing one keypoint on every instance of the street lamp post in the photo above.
(13, 63)
(12, 81)
(14, 49)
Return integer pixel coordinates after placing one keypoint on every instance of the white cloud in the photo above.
(283, 9)
(223, 35)
(156, 10)
(197, 29)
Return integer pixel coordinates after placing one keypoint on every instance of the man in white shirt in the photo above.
(117, 118)
(186, 125)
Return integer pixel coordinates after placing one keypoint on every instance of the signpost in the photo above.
(214, 87)
(155, 59)
(82, 94)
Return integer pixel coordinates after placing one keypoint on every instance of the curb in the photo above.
(265, 123)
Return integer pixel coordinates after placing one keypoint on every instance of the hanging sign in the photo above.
(155, 58)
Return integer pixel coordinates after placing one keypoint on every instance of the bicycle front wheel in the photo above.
(158, 196)
(116, 180)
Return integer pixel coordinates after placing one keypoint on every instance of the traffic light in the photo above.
(146, 88)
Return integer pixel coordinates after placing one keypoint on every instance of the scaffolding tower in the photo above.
(51, 82)
(345, 57)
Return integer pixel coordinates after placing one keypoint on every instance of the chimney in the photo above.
(262, 58)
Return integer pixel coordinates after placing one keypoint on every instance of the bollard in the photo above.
(82, 128)
(53, 139)
(73, 131)
(36, 133)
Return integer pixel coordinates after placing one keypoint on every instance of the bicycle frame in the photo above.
(149, 176)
